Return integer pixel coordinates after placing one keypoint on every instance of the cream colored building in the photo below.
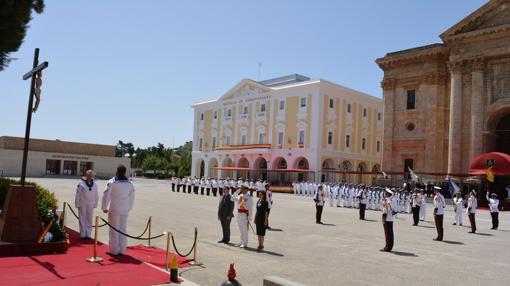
(446, 103)
(47, 158)
(287, 128)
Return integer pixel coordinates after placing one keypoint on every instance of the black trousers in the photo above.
(189, 189)
(173, 187)
(178, 186)
(416, 215)
(208, 191)
(495, 220)
(318, 213)
(225, 227)
(195, 190)
(214, 191)
(268, 212)
(439, 226)
(472, 220)
(362, 208)
(202, 190)
(388, 235)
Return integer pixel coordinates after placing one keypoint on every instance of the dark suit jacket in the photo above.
(226, 207)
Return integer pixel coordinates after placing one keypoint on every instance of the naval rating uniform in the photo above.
(118, 200)
(86, 200)
(493, 208)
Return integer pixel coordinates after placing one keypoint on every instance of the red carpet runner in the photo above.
(71, 268)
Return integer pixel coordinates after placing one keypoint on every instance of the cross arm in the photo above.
(35, 70)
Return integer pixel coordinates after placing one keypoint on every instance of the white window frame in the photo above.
(347, 141)
(281, 138)
(331, 103)
(301, 101)
(262, 138)
(262, 107)
(330, 138)
(303, 132)
(282, 105)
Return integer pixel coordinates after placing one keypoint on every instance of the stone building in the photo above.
(446, 103)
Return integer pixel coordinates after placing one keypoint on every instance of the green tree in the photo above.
(153, 163)
(14, 18)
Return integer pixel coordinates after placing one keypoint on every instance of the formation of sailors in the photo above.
(208, 186)
(354, 195)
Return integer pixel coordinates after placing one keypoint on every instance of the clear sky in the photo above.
(130, 70)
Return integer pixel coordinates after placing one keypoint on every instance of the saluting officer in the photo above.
(471, 209)
(388, 216)
(118, 200)
(415, 207)
(439, 205)
(493, 208)
(86, 201)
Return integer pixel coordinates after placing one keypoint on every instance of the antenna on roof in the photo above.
(260, 67)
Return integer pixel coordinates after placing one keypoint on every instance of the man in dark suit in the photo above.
(225, 214)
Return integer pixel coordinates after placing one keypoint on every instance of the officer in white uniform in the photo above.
(244, 204)
(86, 201)
(388, 216)
(118, 200)
(423, 205)
(471, 210)
(493, 208)
(458, 206)
(439, 205)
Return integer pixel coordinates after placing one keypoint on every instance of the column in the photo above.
(455, 129)
(388, 86)
(477, 94)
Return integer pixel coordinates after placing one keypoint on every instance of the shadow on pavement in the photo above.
(274, 229)
(328, 224)
(402, 253)
(426, 226)
(264, 251)
(484, 234)
(453, 242)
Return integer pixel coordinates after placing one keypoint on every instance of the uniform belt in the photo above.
(242, 211)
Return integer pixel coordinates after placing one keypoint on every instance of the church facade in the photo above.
(447, 103)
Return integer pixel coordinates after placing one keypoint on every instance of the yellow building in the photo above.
(288, 128)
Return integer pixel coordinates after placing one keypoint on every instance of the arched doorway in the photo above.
(261, 165)
(362, 167)
(213, 163)
(279, 177)
(502, 133)
(376, 168)
(227, 162)
(346, 166)
(301, 163)
(328, 165)
(243, 163)
(200, 172)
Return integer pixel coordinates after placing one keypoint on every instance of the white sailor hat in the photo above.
(389, 191)
(437, 188)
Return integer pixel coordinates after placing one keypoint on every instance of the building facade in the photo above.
(58, 158)
(286, 129)
(447, 103)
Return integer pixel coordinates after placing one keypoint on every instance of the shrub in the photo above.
(46, 203)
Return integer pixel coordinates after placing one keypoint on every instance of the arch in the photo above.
(362, 167)
(346, 166)
(502, 131)
(213, 162)
(328, 164)
(301, 163)
(280, 163)
(376, 168)
(200, 168)
(261, 164)
(227, 162)
(243, 163)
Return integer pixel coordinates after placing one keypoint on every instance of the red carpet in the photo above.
(72, 269)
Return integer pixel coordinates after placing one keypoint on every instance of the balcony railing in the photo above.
(244, 116)
(244, 147)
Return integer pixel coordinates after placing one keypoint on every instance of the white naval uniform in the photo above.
(243, 219)
(458, 204)
(118, 199)
(86, 201)
(423, 207)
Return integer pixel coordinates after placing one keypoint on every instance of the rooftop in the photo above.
(284, 80)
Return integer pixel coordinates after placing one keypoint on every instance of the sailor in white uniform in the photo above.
(458, 206)
(118, 200)
(493, 208)
(471, 210)
(86, 201)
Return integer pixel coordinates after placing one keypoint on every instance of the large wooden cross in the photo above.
(34, 74)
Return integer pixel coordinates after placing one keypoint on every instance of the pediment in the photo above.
(245, 89)
(488, 18)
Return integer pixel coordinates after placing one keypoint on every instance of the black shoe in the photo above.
(384, 249)
(415, 224)
(471, 231)
(226, 242)
(221, 241)
(454, 224)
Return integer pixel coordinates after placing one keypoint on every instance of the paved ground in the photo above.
(343, 252)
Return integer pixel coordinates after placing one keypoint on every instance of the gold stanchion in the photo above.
(95, 258)
(195, 259)
(150, 226)
(168, 234)
(62, 215)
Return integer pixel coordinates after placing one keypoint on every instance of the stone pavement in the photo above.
(344, 251)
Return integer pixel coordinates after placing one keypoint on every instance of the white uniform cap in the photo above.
(388, 191)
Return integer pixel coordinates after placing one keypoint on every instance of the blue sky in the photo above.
(120, 70)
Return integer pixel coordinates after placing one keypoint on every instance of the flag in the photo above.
(452, 186)
(490, 175)
(414, 177)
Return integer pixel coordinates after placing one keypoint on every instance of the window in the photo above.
(227, 141)
(363, 143)
(84, 166)
(229, 112)
(349, 108)
(214, 142)
(282, 104)
(364, 112)
(408, 164)
(262, 108)
(347, 141)
(215, 114)
(243, 139)
(303, 101)
(330, 138)
(245, 110)
(53, 167)
(301, 137)
(262, 137)
(331, 103)
(411, 94)
(379, 116)
(201, 116)
(280, 138)
(201, 142)
(378, 146)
